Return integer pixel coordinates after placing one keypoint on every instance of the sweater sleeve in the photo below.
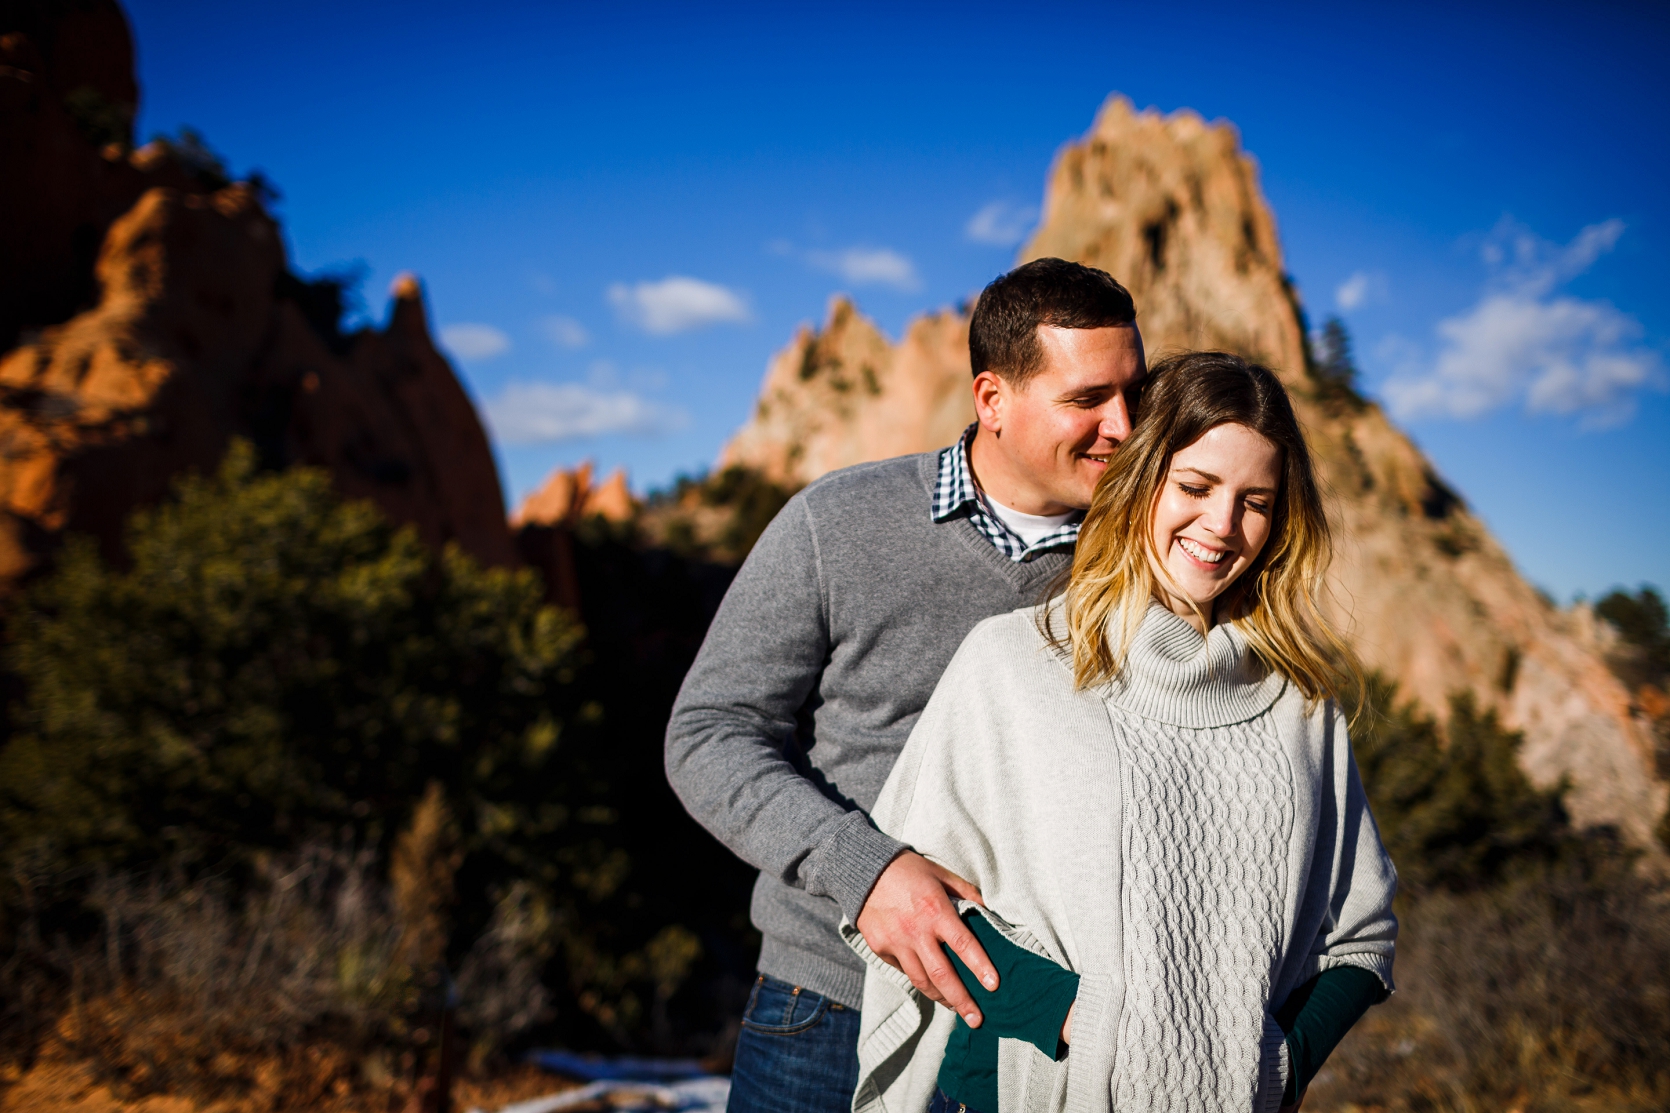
(1358, 927)
(1033, 995)
(1318, 1014)
(736, 713)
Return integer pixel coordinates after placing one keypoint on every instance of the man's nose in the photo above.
(1116, 419)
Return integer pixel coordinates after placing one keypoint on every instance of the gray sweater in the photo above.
(1192, 840)
(815, 669)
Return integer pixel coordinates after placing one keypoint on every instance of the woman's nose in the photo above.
(1219, 516)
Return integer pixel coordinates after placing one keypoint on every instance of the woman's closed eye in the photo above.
(1194, 491)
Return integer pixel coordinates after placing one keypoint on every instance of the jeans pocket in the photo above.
(777, 1008)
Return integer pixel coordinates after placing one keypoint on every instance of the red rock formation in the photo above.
(568, 497)
(67, 98)
(544, 524)
(845, 394)
(392, 423)
(1171, 207)
(186, 331)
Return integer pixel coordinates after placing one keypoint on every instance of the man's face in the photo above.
(1060, 428)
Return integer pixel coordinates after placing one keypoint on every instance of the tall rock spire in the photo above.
(1170, 205)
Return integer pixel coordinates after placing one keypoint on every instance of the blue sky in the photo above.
(1481, 195)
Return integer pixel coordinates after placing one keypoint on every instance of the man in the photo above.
(830, 641)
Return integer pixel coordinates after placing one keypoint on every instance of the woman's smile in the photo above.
(1200, 554)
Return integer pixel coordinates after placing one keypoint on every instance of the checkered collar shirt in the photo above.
(956, 494)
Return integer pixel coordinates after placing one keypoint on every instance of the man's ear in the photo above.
(991, 395)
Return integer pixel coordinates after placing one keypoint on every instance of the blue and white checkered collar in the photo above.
(956, 493)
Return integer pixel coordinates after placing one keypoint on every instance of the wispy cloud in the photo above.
(545, 413)
(869, 266)
(1524, 343)
(1352, 292)
(677, 303)
(472, 341)
(1001, 223)
(565, 332)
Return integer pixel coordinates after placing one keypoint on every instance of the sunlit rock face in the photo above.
(147, 316)
(189, 346)
(845, 394)
(1170, 206)
(568, 496)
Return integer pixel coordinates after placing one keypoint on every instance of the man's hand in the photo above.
(909, 913)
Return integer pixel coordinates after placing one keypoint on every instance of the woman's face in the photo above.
(1212, 516)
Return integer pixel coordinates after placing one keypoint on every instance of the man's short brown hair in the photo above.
(1003, 333)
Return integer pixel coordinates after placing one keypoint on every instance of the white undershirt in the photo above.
(1030, 528)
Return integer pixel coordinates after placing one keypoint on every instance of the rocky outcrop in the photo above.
(568, 497)
(1170, 205)
(67, 100)
(543, 526)
(846, 394)
(187, 329)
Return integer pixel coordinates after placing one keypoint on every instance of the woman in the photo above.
(1149, 780)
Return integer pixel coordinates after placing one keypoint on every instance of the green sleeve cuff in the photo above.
(1318, 1014)
(1033, 994)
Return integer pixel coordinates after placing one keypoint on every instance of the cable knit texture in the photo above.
(1208, 812)
(1192, 839)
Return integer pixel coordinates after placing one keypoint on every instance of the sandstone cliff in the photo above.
(186, 328)
(1170, 205)
(844, 395)
(568, 496)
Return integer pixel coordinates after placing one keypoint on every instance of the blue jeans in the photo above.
(798, 1052)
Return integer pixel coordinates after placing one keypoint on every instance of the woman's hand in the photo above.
(1067, 1030)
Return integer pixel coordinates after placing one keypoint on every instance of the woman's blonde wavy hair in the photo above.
(1276, 602)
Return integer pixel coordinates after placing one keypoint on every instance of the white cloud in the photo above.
(470, 341)
(863, 266)
(565, 332)
(544, 413)
(1527, 264)
(1352, 291)
(1522, 343)
(1001, 223)
(677, 303)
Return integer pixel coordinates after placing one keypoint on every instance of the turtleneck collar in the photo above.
(1173, 675)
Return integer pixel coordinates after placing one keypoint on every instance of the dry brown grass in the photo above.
(299, 993)
(1550, 992)
(61, 1082)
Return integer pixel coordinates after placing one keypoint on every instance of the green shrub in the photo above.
(273, 668)
(272, 664)
(1454, 808)
(1643, 624)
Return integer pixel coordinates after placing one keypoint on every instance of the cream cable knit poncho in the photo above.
(1191, 840)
